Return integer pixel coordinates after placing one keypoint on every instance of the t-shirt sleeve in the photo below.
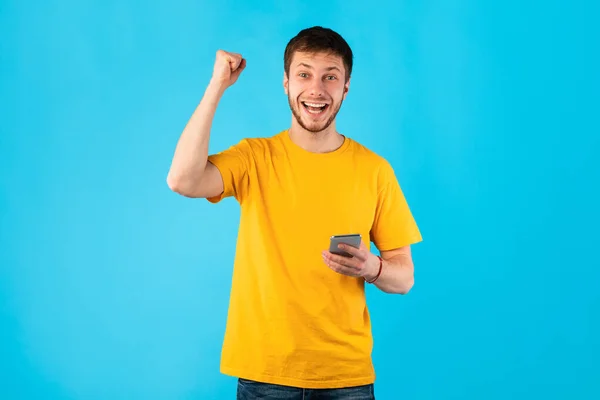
(394, 225)
(233, 164)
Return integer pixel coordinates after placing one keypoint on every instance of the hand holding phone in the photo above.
(353, 240)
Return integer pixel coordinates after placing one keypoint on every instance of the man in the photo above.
(298, 326)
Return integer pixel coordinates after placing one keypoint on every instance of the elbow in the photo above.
(407, 287)
(408, 280)
(403, 288)
(179, 186)
(174, 183)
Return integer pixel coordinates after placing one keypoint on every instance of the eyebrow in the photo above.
(326, 69)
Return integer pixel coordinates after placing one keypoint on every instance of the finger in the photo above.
(223, 55)
(340, 268)
(358, 253)
(234, 61)
(341, 260)
(236, 74)
(241, 67)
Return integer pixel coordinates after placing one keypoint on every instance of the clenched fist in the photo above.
(228, 67)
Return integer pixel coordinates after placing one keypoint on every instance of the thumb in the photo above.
(238, 70)
(234, 62)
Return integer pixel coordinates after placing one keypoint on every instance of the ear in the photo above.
(285, 82)
(346, 88)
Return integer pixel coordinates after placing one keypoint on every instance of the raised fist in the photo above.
(228, 67)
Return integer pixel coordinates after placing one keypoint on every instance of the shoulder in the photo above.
(370, 158)
(261, 144)
(256, 147)
(376, 166)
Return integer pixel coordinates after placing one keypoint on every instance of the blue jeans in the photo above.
(250, 390)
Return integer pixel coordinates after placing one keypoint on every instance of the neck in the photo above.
(324, 141)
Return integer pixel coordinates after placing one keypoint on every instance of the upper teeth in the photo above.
(315, 104)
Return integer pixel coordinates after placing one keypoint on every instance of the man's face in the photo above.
(316, 89)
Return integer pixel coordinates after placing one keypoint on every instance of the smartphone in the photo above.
(351, 240)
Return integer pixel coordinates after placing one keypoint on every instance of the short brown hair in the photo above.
(319, 39)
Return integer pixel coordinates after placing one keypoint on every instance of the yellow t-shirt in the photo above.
(292, 320)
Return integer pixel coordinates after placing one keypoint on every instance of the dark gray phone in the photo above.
(351, 240)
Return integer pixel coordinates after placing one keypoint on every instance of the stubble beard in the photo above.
(315, 129)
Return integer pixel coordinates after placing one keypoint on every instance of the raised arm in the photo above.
(190, 174)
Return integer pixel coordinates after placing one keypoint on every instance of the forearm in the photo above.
(191, 152)
(397, 275)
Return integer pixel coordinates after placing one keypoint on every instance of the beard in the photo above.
(313, 127)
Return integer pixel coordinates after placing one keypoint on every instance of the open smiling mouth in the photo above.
(315, 108)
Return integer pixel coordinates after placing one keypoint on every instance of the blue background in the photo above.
(113, 287)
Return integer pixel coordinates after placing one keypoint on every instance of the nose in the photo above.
(317, 88)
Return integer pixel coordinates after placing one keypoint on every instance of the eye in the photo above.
(331, 77)
(303, 75)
